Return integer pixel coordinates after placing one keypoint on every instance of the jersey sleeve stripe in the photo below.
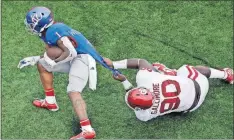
(58, 34)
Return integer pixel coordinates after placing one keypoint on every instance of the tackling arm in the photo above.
(132, 63)
(136, 64)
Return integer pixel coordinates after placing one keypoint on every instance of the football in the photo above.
(53, 52)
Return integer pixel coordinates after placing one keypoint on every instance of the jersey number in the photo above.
(171, 101)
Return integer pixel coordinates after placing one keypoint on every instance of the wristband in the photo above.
(122, 64)
(48, 60)
(127, 85)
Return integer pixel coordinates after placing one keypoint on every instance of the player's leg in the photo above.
(46, 77)
(201, 84)
(226, 73)
(200, 74)
(78, 78)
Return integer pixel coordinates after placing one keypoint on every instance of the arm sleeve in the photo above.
(71, 49)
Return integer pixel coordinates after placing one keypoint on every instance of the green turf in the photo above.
(151, 30)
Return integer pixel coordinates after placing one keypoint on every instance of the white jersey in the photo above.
(171, 93)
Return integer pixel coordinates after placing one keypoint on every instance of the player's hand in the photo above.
(28, 61)
(108, 62)
(119, 77)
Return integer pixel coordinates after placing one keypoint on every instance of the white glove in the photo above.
(28, 61)
(49, 61)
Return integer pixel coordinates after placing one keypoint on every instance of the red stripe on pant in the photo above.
(49, 92)
(191, 71)
(196, 73)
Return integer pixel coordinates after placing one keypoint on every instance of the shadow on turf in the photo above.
(76, 128)
(167, 43)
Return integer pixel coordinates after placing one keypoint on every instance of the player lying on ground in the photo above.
(156, 94)
(40, 21)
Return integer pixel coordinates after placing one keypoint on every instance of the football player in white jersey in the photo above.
(161, 90)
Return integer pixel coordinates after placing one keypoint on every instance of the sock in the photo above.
(50, 98)
(217, 74)
(85, 125)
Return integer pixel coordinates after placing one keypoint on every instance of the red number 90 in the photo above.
(171, 98)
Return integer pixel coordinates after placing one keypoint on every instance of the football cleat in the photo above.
(42, 103)
(164, 70)
(84, 135)
(229, 75)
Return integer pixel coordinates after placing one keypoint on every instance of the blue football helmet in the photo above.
(38, 19)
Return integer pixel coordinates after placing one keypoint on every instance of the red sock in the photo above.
(50, 96)
(86, 125)
(49, 92)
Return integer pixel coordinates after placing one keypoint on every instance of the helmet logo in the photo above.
(35, 18)
(143, 91)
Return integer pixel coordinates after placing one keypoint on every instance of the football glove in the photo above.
(28, 61)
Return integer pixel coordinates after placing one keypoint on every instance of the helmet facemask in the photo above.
(30, 27)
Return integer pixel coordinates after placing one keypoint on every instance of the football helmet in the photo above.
(38, 19)
(139, 98)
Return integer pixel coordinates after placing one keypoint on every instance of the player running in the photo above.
(73, 60)
(156, 94)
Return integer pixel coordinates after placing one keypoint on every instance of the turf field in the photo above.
(174, 33)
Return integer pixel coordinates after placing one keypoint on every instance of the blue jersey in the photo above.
(81, 44)
(58, 30)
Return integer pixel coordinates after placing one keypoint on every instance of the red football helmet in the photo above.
(139, 97)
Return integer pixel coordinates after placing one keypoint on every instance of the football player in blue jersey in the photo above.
(73, 60)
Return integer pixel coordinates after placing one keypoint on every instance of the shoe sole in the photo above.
(54, 109)
(48, 108)
(82, 138)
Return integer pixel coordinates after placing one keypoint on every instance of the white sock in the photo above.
(50, 99)
(87, 128)
(217, 74)
(50, 96)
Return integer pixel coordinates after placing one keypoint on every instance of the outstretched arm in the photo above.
(132, 63)
(30, 61)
